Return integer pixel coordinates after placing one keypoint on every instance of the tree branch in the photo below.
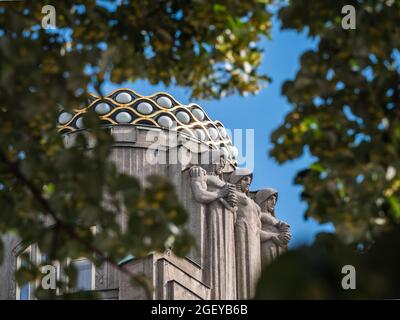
(65, 227)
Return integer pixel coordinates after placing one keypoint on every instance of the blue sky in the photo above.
(263, 113)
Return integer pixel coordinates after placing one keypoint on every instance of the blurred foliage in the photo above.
(318, 272)
(346, 115)
(209, 47)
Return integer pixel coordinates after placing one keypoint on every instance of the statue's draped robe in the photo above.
(220, 235)
(247, 239)
(269, 250)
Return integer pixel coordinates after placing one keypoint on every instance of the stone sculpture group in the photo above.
(242, 229)
(235, 230)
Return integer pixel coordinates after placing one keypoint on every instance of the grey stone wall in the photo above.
(172, 277)
(7, 268)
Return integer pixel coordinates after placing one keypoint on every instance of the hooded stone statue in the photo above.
(275, 234)
(247, 235)
(238, 174)
(264, 194)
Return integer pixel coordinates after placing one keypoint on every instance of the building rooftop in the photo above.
(161, 110)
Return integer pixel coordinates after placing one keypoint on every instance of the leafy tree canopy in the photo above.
(319, 272)
(208, 47)
(345, 100)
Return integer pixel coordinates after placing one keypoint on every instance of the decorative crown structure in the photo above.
(161, 110)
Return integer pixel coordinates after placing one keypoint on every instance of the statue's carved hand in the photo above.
(232, 197)
(232, 186)
(284, 237)
(283, 226)
(278, 241)
(223, 192)
(196, 171)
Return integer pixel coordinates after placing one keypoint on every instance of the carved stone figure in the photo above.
(210, 189)
(275, 234)
(233, 235)
(247, 235)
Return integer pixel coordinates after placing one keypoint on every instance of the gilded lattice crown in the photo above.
(161, 110)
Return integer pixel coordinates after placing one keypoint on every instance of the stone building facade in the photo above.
(158, 135)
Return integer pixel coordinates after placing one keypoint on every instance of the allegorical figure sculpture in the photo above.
(247, 235)
(219, 198)
(275, 234)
